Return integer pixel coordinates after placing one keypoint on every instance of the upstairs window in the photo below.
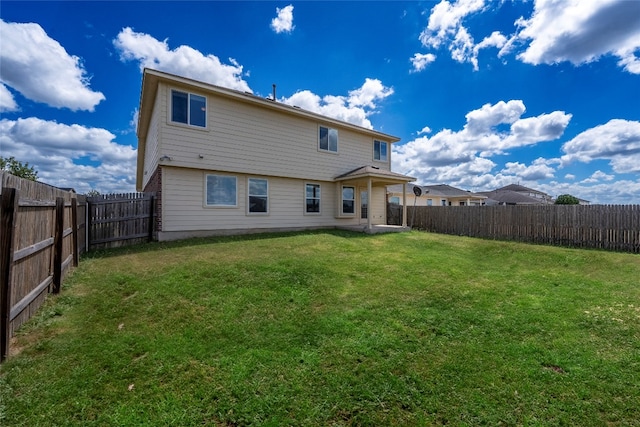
(380, 151)
(328, 139)
(188, 108)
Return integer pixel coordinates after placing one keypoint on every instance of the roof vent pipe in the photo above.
(274, 91)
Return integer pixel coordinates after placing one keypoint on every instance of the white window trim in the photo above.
(337, 142)
(249, 178)
(373, 146)
(304, 203)
(206, 205)
(187, 125)
(355, 208)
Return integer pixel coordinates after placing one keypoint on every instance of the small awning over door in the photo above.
(373, 176)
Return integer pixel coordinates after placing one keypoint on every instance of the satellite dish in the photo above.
(417, 191)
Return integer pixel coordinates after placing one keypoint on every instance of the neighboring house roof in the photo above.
(512, 198)
(516, 194)
(518, 188)
(449, 191)
(440, 190)
(398, 188)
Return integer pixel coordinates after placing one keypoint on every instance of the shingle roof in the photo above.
(519, 188)
(512, 198)
(365, 171)
(449, 191)
(443, 190)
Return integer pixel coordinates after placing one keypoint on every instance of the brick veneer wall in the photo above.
(155, 185)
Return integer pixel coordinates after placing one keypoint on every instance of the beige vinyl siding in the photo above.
(249, 139)
(152, 145)
(378, 210)
(184, 204)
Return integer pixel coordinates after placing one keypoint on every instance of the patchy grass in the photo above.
(334, 329)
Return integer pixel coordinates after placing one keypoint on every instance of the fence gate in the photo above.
(120, 219)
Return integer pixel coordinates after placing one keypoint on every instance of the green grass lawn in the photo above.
(334, 329)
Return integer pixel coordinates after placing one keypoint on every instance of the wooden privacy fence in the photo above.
(611, 227)
(43, 231)
(120, 219)
(41, 235)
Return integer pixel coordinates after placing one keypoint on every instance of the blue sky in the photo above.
(482, 93)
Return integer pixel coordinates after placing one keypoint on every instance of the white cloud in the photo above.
(539, 169)
(463, 157)
(372, 90)
(545, 127)
(577, 31)
(617, 141)
(496, 39)
(581, 31)
(183, 60)
(133, 123)
(283, 22)
(354, 108)
(461, 47)
(598, 176)
(425, 130)
(421, 60)
(41, 69)
(7, 102)
(481, 127)
(446, 28)
(488, 116)
(445, 20)
(570, 176)
(53, 147)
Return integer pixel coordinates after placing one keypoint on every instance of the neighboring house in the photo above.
(515, 194)
(435, 195)
(228, 162)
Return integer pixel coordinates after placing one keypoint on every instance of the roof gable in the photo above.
(151, 78)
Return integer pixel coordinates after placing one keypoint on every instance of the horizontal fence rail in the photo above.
(610, 227)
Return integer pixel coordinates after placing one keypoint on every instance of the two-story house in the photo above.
(223, 161)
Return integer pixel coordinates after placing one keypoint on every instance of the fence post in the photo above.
(88, 223)
(74, 230)
(151, 217)
(57, 245)
(7, 218)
